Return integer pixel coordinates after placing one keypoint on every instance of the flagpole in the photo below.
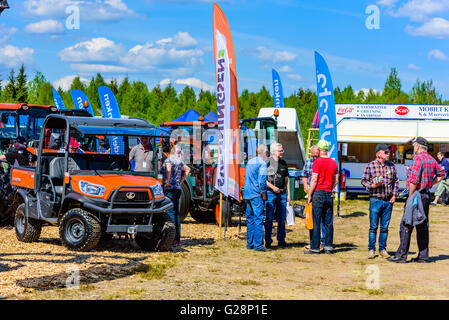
(221, 194)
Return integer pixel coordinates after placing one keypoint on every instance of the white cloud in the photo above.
(411, 66)
(436, 54)
(45, 26)
(295, 77)
(165, 82)
(435, 28)
(285, 69)
(6, 33)
(169, 57)
(184, 40)
(101, 68)
(92, 10)
(365, 91)
(65, 82)
(96, 49)
(386, 3)
(12, 57)
(275, 56)
(421, 10)
(196, 83)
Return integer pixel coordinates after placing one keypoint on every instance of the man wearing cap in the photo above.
(324, 180)
(20, 155)
(381, 180)
(422, 175)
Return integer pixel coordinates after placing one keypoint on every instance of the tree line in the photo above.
(162, 105)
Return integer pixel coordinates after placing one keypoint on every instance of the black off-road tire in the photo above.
(225, 215)
(79, 230)
(203, 216)
(162, 236)
(27, 230)
(184, 201)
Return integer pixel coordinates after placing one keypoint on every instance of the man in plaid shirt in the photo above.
(422, 175)
(380, 179)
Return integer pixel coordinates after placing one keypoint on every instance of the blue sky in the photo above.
(158, 41)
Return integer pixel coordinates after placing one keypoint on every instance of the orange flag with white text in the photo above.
(228, 169)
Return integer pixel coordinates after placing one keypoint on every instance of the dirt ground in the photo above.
(208, 268)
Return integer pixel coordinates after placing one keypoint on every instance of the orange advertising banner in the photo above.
(228, 175)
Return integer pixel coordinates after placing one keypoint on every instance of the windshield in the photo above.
(105, 153)
(254, 133)
(8, 124)
(31, 121)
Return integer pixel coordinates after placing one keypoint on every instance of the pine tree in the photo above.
(34, 87)
(392, 89)
(21, 86)
(9, 92)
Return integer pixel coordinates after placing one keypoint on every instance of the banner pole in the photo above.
(221, 214)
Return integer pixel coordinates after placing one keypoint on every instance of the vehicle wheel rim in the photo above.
(20, 225)
(75, 231)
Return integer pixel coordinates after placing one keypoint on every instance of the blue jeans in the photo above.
(275, 202)
(174, 195)
(323, 211)
(254, 223)
(379, 212)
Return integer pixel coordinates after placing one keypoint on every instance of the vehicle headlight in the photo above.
(158, 191)
(92, 189)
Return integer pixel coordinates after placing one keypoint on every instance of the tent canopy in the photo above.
(189, 116)
(211, 116)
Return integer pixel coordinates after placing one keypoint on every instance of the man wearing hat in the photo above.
(20, 155)
(380, 179)
(324, 180)
(421, 176)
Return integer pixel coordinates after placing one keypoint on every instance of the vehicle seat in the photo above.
(56, 172)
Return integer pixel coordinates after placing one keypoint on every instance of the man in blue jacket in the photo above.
(255, 193)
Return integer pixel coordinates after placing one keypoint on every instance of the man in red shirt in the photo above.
(422, 175)
(324, 180)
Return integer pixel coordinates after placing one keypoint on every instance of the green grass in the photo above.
(157, 270)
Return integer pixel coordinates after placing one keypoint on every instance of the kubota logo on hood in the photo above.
(342, 111)
(402, 110)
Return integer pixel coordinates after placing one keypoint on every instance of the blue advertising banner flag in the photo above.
(326, 106)
(277, 90)
(79, 98)
(111, 109)
(58, 100)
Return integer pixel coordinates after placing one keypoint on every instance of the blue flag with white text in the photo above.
(326, 106)
(277, 90)
(111, 109)
(79, 98)
(58, 100)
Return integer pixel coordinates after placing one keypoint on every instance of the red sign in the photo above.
(342, 111)
(401, 110)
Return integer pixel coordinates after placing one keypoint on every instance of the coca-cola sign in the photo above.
(342, 111)
(401, 110)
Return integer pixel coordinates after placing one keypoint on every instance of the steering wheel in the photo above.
(118, 164)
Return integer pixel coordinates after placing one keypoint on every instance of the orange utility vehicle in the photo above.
(17, 119)
(90, 192)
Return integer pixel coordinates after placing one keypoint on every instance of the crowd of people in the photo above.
(267, 192)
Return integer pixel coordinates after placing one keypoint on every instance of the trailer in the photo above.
(361, 126)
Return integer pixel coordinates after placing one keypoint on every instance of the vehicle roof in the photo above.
(136, 123)
(191, 123)
(16, 106)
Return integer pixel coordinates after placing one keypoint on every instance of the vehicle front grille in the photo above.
(139, 196)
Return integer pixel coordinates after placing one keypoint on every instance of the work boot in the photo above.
(371, 254)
